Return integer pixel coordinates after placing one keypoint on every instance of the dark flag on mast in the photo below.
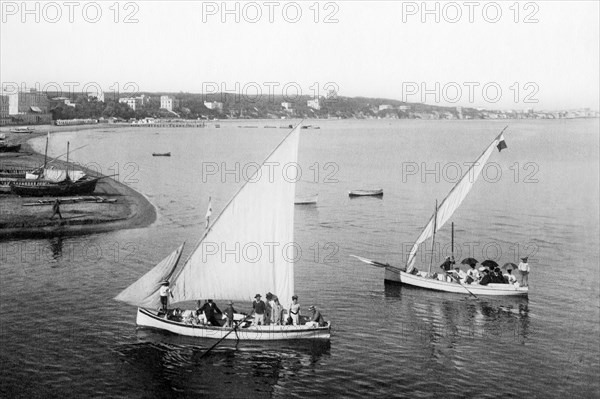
(501, 143)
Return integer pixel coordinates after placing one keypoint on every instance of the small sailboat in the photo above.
(307, 200)
(442, 213)
(366, 193)
(260, 212)
(25, 129)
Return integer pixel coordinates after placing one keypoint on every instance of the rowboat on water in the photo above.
(409, 275)
(161, 154)
(262, 211)
(308, 200)
(22, 130)
(366, 193)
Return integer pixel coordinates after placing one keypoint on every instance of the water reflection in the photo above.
(56, 246)
(234, 369)
(440, 315)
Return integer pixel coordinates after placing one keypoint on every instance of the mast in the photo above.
(67, 170)
(46, 152)
(433, 241)
(452, 240)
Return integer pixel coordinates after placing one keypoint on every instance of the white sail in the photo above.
(144, 292)
(58, 175)
(454, 199)
(248, 250)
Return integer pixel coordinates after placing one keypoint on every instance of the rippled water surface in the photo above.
(62, 335)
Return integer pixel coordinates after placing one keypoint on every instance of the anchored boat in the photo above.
(260, 212)
(366, 193)
(411, 276)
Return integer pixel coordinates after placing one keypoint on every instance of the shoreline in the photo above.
(131, 210)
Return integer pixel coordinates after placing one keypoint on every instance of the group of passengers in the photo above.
(269, 313)
(483, 275)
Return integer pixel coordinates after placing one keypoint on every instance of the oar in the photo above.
(458, 281)
(226, 335)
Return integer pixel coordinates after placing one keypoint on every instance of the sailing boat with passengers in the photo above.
(260, 213)
(411, 276)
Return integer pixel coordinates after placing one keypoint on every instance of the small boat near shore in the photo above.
(73, 200)
(308, 200)
(161, 154)
(22, 130)
(366, 193)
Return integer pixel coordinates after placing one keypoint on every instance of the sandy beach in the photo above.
(131, 209)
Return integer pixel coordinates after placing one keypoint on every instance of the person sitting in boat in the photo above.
(229, 312)
(460, 275)
(486, 279)
(188, 316)
(294, 311)
(472, 274)
(259, 308)
(509, 277)
(497, 276)
(210, 309)
(164, 293)
(175, 315)
(316, 319)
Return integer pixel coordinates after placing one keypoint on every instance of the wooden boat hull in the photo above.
(306, 200)
(10, 148)
(22, 130)
(366, 193)
(146, 318)
(80, 187)
(165, 154)
(397, 276)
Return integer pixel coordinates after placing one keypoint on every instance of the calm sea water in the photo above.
(62, 335)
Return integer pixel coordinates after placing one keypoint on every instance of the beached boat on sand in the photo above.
(366, 193)
(262, 211)
(412, 277)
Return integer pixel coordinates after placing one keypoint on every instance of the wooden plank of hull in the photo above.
(146, 318)
(432, 284)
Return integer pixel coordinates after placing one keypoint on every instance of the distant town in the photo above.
(35, 107)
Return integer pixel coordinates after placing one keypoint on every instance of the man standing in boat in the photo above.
(259, 308)
(164, 293)
(524, 270)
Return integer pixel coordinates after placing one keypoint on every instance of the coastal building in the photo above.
(30, 107)
(133, 102)
(98, 95)
(63, 100)
(314, 104)
(214, 105)
(169, 103)
(383, 107)
(404, 108)
(287, 106)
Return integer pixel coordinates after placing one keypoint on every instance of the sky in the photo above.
(497, 55)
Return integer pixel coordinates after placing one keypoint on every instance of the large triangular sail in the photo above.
(454, 198)
(249, 248)
(144, 292)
